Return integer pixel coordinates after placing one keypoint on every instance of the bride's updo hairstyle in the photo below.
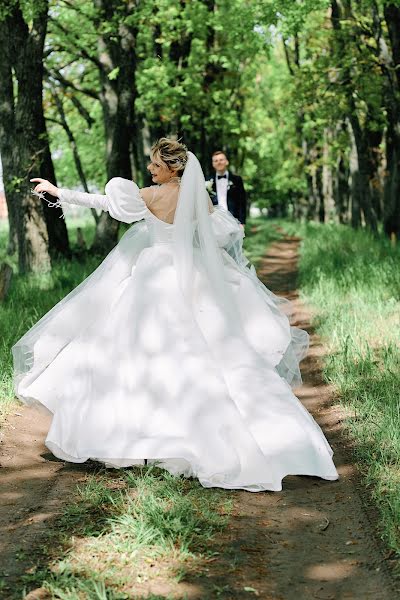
(170, 152)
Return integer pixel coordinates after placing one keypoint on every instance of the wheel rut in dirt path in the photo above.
(312, 540)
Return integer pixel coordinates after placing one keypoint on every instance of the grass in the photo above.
(353, 281)
(260, 233)
(128, 529)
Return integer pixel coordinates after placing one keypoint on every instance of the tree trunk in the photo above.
(31, 227)
(391, 61)
(355, 188)
(363, 172)
(12, 245)
(391, 221)
(313, 206)
(32, 231)
(317, 188)
(313, 174)
(31, 125)
(361, 159)
(56, 226)
(341, 190)
(327, 179)
(7, 144)
(6, 274)
(139, 161)
(117, 60)
(22, 50)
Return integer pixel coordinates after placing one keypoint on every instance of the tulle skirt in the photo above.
(131, 371)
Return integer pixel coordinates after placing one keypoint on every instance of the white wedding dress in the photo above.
(134, 366)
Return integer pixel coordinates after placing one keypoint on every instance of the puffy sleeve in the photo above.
(229, 234)
(122, 200)
(225, 226)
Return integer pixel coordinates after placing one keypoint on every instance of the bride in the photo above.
(172, 350)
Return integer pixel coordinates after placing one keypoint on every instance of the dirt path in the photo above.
(315, 539)
(34, 488)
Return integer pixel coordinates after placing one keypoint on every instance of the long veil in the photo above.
(193, 235)
(196, 247)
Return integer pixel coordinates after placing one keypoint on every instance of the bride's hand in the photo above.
(46, 186)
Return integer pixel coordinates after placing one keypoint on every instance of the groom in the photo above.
(226, 189)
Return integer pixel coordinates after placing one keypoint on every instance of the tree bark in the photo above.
(361, 159)
(33, 139)
(355, 200)
(327, 179)
(117, 58)
(8, 150)
(33, 237)
(341, 180)
(139, 161)
(316, 207)
(391, 68)
(56, 226)
(312, 206)
(6, 274)
(362, 174)
(341, 191)
(39, 230)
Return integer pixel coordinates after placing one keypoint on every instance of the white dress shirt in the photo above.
(222, 190)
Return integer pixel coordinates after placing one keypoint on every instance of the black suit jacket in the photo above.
(236, 196)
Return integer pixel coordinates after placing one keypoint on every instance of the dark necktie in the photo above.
(222, 176)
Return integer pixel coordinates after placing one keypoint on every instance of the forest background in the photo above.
(304, 96)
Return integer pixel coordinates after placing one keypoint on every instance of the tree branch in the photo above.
(82, 110)
(287, 56)
(82, 51)
(75, 152)
(77, 9)
(66, 83)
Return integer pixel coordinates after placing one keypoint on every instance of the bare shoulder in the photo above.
(148, 193)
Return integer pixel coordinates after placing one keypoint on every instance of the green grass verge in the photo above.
(128, 529)
(353, 281)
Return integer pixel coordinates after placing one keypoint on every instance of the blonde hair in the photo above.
(170, 152)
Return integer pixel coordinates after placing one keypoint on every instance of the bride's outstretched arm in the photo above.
(122, 199)
(71, 196)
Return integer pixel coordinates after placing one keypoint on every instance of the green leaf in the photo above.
(113, 74)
